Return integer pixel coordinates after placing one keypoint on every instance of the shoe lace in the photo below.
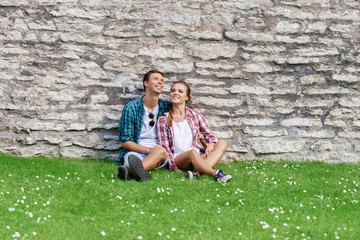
(220, 174)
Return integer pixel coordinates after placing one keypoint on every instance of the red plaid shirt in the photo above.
(197, 123)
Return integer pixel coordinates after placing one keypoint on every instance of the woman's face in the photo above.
(178, 94)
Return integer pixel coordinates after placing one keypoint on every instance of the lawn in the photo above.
(44, 198)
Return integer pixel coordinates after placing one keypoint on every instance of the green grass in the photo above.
(83, 199)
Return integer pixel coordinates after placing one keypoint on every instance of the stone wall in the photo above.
(277, 79)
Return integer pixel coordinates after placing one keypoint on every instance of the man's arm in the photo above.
(134, 147)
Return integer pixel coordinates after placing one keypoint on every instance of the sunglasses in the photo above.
(151, 116)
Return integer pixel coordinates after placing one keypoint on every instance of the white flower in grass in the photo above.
(301, 205)
(34, 233)
(308, 217)
(273, 236)
(8, 227)
(11, 209)
(274, 230)
(16, 234)
(159, 233)
(285, 224)
(103, 233)
(265, 225)
(173, 229)
(240, 233)
(219, 229)
(10, 175)
(140, 237)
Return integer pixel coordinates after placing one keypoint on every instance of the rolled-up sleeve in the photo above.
(126, 127)
(205, 129)
(164, 139)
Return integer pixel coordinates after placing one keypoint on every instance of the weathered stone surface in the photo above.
(276, 79)
(276, 145)
(316, 27)
(287, 27)
(258, 68)
(213, 51)
(311, 79)
(243, 36)
(305, 122)
(215, 102)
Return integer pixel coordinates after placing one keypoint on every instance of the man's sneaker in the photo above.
(123, 173)
(137, 170)
(190, 175)
(221, 176)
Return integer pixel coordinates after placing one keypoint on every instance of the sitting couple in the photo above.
(152, 138)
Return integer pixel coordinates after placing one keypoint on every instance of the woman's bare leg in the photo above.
(215, 156)
(191, 158)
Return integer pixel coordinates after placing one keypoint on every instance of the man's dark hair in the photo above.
(147, 75)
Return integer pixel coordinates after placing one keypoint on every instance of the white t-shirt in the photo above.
(183, 138)
(148, 136)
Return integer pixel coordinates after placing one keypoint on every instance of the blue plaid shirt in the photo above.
(131, 122)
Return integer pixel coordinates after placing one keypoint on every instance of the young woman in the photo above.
(179, 133)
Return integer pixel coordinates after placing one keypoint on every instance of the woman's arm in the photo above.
(164, 140)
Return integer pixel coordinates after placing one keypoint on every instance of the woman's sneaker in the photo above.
(190, 175)
(221, 176)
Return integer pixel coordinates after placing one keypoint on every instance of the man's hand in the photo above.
(151, 150)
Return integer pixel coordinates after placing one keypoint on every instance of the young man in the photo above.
(140, 150)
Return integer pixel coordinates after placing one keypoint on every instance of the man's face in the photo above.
(155, 83)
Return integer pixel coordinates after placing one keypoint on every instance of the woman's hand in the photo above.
(177, 170)
(210, 147)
